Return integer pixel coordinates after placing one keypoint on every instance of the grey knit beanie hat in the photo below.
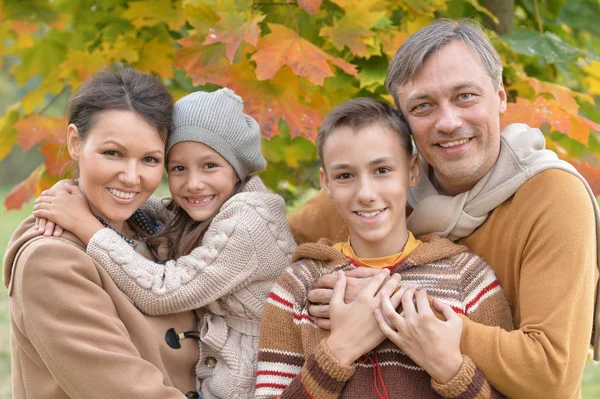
(217, 120)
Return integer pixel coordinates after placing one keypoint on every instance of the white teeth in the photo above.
(204, 201)
(121, 194)
(453, 143)
(369, 215)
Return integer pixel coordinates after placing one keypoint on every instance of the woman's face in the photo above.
(120, 163)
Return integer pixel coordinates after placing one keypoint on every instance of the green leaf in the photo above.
(550, 48)
(372, 73)
(576, 15)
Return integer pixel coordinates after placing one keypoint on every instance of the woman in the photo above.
(74, 334)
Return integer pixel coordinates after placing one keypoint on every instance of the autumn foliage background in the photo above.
(291, 61)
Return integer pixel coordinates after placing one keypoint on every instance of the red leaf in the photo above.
(36, 129)
(310, 6)
(283, 46)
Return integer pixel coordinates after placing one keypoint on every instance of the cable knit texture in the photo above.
(227, 278)
(294, 361)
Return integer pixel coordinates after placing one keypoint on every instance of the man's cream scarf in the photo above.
(522, 156)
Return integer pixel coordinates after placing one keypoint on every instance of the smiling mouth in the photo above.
(369, 215)
(121, 194)
(454, 143)
(200, 201)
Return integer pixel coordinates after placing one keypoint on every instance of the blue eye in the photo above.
(465, 96)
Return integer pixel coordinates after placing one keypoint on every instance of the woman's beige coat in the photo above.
(75, 335)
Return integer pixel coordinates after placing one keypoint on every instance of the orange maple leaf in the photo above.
(349, 36)
(35, 183)
(563, 94)
(36, 129)
(283, 46)
(310, 6)
(551, 111)
(194, 57)
(56, 156)
(232, 28)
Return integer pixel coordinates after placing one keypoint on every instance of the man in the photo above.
(511, 202)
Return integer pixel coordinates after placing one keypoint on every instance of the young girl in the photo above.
(229, 236)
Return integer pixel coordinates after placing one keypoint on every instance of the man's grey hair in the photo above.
(411, 56)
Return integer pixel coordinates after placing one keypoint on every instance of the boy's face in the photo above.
(368, 174)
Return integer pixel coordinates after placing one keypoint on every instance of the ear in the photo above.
(73, 142)
(502, 96)
(414, 171)
(324, 182)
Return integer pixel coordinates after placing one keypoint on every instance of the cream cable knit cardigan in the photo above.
(227, 278)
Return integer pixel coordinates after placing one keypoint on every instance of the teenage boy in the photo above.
(367, 167)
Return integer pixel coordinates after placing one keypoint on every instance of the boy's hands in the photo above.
(356, 280)
(354, 329)
(432, 343)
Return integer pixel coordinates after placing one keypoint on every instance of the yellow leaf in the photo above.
(124, 48)
(593, 78)
(8, 134)
(364, 13)
(152, 12)
(157, 57)
(81, 65)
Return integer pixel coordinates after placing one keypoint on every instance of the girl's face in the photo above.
(200, 179)
(120, 163)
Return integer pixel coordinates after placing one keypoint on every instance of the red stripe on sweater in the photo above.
(276, 373)
(270, 385)
(301, 317)
(279, 299)
(485, 290)
(457, 310)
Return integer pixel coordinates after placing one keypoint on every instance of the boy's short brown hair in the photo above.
(360, 112)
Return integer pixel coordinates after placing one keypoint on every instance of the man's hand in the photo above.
(432, 343)
(356, 280)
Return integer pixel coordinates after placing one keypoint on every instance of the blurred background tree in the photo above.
(291, 61)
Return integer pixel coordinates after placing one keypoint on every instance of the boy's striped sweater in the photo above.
(294, 361)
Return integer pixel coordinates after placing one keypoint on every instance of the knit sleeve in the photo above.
(483, 302)
(283, 370)
(155, 208)
(242, 244)
(468, 383)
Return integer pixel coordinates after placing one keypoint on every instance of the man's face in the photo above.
(453, 109)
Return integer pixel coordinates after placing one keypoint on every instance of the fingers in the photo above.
(319, 311)
(320, 295)
(49, 228)
(41, 224)
(445, 309)
(326, 281)
(324, 324)
(408, 304)
(390, 286)
(339, 288)
(423, 306)
(362, 272)
(72, 189)
(58, 231)
(373, 286)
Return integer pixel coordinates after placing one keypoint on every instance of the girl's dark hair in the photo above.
(121, 87)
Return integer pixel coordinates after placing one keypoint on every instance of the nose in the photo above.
(195, 182)
(130, 175)
(449, 119)
(367, 191)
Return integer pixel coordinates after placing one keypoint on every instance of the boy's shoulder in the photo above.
(436, 248)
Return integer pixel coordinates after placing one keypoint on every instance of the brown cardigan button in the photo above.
(210, 362)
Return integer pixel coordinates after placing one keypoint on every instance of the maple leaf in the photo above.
(194, 57)
(156, 56)
(36, 128)
(551, 111)
(83, 63)
(284, 47)
(310, 6)
(232, 28)
(8, 134)
(265, 101)
(56, 156)
(563, 94)
(352, 36)
(152, 12)
(391, 40)
(35, 183)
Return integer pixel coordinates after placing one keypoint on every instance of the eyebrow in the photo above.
(374, 162)
(457, 87)
(122, 147)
